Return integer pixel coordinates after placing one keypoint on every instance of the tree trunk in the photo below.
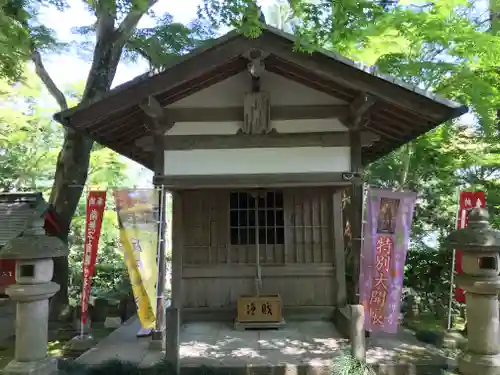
(73, 160)
(73, 163)
(408, 152)
(71, 174)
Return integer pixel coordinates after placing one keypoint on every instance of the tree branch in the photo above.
(48, 81)
(128, 25)
(105, 25)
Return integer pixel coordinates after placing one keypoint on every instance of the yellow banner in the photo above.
(137, 221)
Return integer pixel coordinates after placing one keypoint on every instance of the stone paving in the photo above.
(218, 344)
(299, 344)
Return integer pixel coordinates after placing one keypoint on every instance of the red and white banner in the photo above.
(96, 201)
(468, 200)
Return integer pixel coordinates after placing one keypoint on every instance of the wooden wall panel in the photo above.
(206, 226)
(216, 273)
(309, 231)
(213, 287)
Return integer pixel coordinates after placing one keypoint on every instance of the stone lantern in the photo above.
(33, 252)
(480, 245)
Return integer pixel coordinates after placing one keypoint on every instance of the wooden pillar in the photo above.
(175, 309)
(359, 109)
(356, 209)
(357, 332)
(358, 117)
(173, 338)
(177, 248)
(339, 248)
(158, 336)
(357, 317)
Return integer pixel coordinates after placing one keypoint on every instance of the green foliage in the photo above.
(28, 138)
(114, 31)
(29, 145)
(12, 54)
(428, 274)
(162, 44)
(20, 32)
(111, 277)
(347, 365)
(116, 367)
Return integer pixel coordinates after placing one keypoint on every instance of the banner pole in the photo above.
(85, 190)
(361, 262)
(453, 260)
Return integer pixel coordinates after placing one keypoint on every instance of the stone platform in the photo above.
(301, 347)
(310, 344)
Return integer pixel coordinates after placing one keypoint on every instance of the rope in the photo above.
(258, 278)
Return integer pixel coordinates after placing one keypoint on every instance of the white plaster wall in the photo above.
(284, 126)
(257, 161)
(230, 93)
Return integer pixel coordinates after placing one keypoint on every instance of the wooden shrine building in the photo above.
(257, 142)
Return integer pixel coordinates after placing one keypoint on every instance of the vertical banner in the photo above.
(96, 201)
(468, 200)
(389, 216)
(137, 211)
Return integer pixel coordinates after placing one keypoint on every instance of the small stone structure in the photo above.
(16, 209)
(33, 252)
(480, 245)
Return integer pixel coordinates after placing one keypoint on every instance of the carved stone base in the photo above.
(47, 366)
(157, 342)
(478, 364)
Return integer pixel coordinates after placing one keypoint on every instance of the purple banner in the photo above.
(388, 218)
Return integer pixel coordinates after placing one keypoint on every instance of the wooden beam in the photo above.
(203, 62)
(157, 115)
(359, 110)
(208, 142)
(247, 271)
(152, 108)
(271, 140)
(253, 180)
(278, 113)
(383, 133)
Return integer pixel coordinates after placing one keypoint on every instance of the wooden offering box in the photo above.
(264, 311)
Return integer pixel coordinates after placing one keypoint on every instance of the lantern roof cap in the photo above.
(478, 236)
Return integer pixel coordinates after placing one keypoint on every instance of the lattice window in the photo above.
(252, 217)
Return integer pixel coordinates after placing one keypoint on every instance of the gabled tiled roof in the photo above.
(16, 212)
(400, 114)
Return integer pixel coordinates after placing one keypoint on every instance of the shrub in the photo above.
(346, 364)
(114, 367)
